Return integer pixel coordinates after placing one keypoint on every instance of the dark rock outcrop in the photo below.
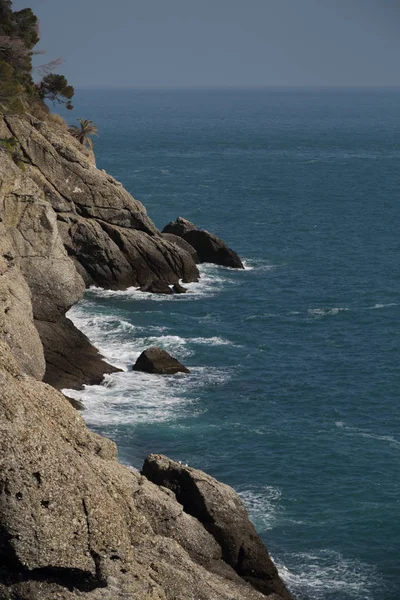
(212, 249)
(220, 510)
(207, 246)
(158, 361)
(179, 289)
(181, 242)
(157, 287)
(70, 357)
(179, 227)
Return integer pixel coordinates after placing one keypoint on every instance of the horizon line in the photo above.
(328, 87)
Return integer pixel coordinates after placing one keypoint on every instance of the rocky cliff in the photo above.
(74, 523)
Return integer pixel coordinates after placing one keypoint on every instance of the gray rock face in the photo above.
(70, 357)
(74, 523)
(179, 241)
(157, 360)
(103, 228)
(207, 246)
(179, 227)
(42, 283)
(224, 516)
(212, 249)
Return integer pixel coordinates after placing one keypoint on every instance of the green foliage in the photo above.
(26, 27)
(10, 145)
(19, 33)
(56, 89)
(5, 17)
(11, 91)
(84, 132)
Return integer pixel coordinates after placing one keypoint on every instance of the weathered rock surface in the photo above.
(104, 229)
(179, 227)
(224, 516)
(212, 249)
(179, 241)
(207, 246)
(42, 284)
(70, 357)
(74, 523)
(158, 361)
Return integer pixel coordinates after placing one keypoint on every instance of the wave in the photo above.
(323, 312)
(212, 280)
(118, 340)
(366, 433)
(262, 503)
(327, 574)
(132, 397)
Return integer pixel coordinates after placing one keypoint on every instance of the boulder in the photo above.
(179, 227)
(223, 514)
(179, 241)
(157, 360)
(212, 249)
(207, 246)
(179, 289)
(71, 360)
(157, 287)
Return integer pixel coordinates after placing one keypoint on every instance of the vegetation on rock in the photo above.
(19, 34)
(84, 132)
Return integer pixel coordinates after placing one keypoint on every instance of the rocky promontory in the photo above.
(74, 522)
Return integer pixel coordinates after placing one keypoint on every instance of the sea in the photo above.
(293, 395)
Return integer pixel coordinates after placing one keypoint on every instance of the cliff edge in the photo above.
(74, 523)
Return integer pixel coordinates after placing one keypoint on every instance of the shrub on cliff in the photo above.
(19, 34)
(56, 89)
(84, 132)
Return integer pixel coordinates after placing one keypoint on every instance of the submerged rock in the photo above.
(157, 360)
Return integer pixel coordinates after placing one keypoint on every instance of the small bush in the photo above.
(58, 121)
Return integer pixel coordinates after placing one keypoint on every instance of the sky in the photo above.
(222, 43)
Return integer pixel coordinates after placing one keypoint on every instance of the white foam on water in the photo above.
(257, 265)
(318, 575)
(212, 279)
(324, 312)
(132, 397)
(262, 503)
(377, 306)
(366, 433)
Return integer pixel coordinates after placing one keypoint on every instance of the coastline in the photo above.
(95, 525)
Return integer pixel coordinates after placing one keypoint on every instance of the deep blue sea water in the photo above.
(294, 391)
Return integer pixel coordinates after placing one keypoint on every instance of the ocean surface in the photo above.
(293, 396)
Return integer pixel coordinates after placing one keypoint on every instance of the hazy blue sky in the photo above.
(208, 43)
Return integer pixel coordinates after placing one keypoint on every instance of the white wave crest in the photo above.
(324, 312)
(326, 573)
(212, 279)
(262, 503)
(366, 433)
(132, 397)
